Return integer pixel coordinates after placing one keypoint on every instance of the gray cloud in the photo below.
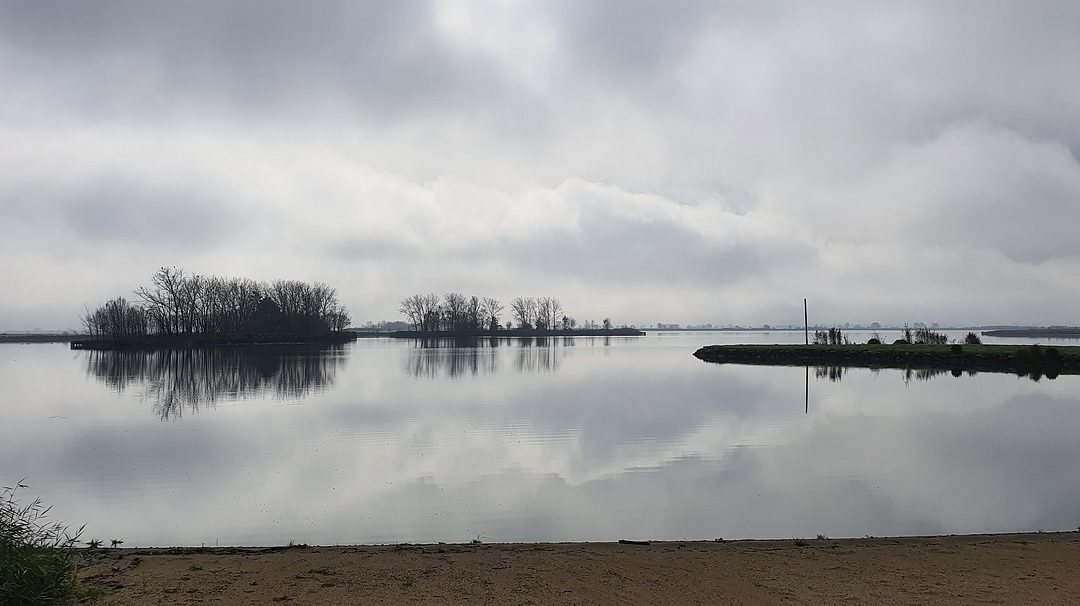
(735, 155)
(115, 59)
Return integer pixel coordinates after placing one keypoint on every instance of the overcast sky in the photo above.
(648, 161)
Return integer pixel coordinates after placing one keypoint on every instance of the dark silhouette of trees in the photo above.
(422, 311)
(178, 304)
(455, 312)
(116, 318)
(524, 310)
(491, 310)
(548, 311)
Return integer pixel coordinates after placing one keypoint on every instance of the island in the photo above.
(190, 310)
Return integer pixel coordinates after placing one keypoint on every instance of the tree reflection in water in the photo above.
(470, 357)
(539, 355)
(836, 373)
(453, 358)
(175, 379)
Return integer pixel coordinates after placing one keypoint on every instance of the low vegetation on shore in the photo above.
(37, 557)
(921, 335)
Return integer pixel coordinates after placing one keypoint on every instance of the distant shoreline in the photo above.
(1018, 359)
(40, 338)
(1035, 333)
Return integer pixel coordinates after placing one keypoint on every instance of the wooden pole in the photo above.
(806, 322)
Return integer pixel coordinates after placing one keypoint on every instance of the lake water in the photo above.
(567, 440)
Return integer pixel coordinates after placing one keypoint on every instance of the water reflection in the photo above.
(832, 373)
(633, 440)
(175, 379)
(459, 358)
(451, 358)
(543, 356)
(836, 373)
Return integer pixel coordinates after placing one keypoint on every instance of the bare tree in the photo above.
(554, 311)
(543, 314)
(454, 311)
(116, 319)
(180, 304)
(519, 307)
(412, 307)
(473, 319)
(492, 310)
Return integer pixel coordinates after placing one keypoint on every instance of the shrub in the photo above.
(37, 558)
(874, 341)
(833, 336)
(972, 339)
(901, 342)
(925, 336)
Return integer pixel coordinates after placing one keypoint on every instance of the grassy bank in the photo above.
(37, 556)
(1019, 359)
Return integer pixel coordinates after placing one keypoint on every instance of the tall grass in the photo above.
(37, 557)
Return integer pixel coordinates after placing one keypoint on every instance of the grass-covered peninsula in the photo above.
(1019, 359)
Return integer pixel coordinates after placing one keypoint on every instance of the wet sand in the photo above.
(976, 569)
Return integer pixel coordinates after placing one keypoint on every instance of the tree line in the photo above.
(176, 303)
(454, 312)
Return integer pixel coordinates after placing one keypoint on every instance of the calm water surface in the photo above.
(565, 440)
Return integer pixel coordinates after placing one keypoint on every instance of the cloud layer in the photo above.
(703, 162)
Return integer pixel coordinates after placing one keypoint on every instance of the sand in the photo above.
(978, 569)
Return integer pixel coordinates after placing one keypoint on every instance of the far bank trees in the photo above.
(176, 303)
(454, 312)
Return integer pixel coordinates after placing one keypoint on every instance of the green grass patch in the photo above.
(37, 557)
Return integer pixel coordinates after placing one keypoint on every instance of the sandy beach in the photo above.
(975, 569)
